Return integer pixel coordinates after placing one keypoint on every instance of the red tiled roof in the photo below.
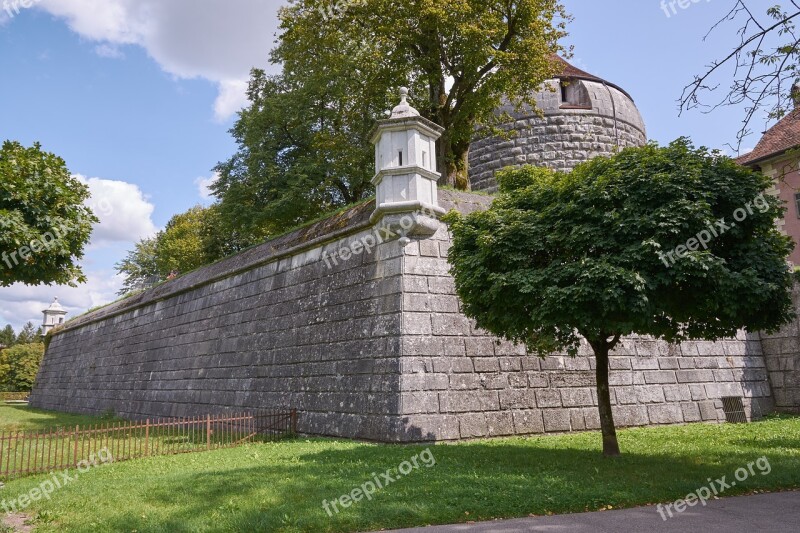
(781, 137)
(571, 71)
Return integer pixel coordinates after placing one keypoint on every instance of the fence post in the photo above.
(294, 422)
(77, 429)
(208, 432)
(147, 437)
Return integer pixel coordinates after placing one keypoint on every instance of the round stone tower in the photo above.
(582, 117)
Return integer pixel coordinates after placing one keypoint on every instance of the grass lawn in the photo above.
(281, 486)
(21, 418)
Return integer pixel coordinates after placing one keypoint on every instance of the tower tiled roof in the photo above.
(781, 137)
(569, 70)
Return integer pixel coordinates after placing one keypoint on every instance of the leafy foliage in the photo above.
(299, 155)
(28, 334)
(189, 241)
(19, 366)
(139, 267)
(558, 254)
(44, 224)
(7, 336)
(490, 50)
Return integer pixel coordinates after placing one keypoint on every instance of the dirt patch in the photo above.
(17, 522)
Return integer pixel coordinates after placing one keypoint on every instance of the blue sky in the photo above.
(138, 96)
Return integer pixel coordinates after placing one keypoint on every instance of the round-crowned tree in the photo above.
(673, 242)
(44, 224)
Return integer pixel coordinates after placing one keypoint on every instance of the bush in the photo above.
(19, 366)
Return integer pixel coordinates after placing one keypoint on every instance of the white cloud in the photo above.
(123, 210)
(108, 51)
(125, 217)
(21, 303)
(218, 40)
(204, 186)
(232, 97)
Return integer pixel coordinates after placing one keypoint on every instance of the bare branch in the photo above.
(764, 67)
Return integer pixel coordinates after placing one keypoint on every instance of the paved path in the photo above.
(776, 513)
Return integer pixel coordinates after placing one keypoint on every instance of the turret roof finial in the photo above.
(404, 110)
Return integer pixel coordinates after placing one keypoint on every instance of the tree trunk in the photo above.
(610, 443)
(453, 163)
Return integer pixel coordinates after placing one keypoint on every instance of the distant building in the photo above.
(778, 156)
(53, 316)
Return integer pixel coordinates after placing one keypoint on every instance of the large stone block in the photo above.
(517, 399)
(576, 397)
(695, 376)
(556, 420)
(473, 425)
(528, 422)
(499, 423)
(629, 415)
(665, 414)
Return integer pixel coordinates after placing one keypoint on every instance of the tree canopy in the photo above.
(19, 366)
(189, 241)
(29, 334)
(299, 155)
(672, 242)
(7, 336)
(44, 224)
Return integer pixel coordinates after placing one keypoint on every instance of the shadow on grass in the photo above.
(476, 481)
(24, 418)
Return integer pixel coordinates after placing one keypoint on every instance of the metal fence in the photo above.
(32, 452)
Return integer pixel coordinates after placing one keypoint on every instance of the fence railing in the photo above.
(32, 452)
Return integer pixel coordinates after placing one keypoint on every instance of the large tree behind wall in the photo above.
(189, 241)
(462, 58)
(301, 153)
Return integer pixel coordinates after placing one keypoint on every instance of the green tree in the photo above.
(189, 241)
(488, 51)
(181, 246)
(44, 225)
(19, 366)
(298, 156)
(139, 267)
(220, 239)
(7, 336)
(558, 257)
(27, 334)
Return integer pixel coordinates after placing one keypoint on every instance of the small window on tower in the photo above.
(400, 158)
(61, 320)
(574, 95)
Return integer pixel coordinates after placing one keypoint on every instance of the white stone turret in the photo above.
(406, 178)
(53, 316)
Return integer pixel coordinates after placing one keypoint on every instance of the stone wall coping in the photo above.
(314, 235)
